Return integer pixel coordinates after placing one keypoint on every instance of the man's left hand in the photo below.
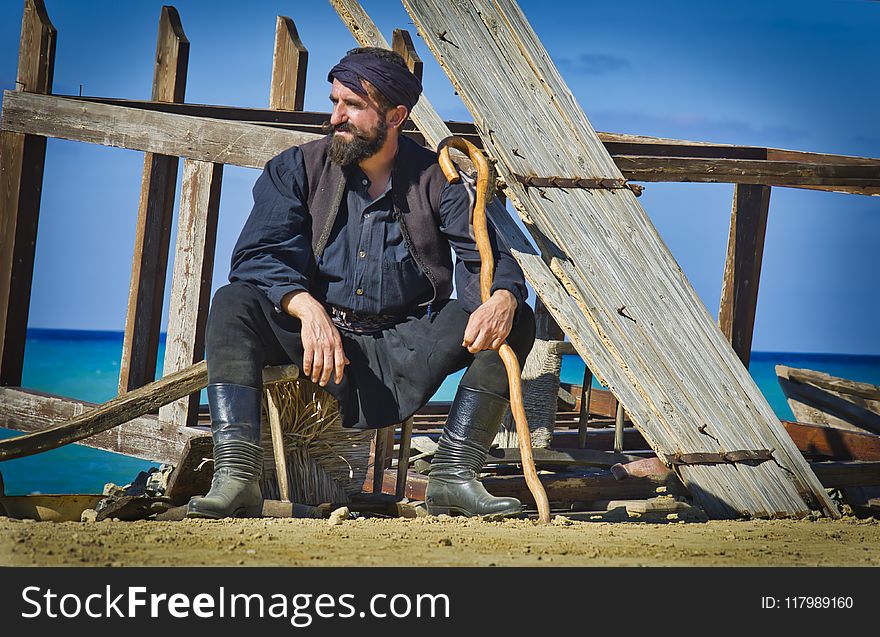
(490, 323)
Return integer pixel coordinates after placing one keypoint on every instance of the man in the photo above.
(344, 268)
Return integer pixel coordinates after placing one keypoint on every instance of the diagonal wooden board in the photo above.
(649, 336)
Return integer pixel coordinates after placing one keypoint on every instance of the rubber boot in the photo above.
(453, 488)
(238, 456)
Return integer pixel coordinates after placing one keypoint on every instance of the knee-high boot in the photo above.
(453, 488)
(238, 456)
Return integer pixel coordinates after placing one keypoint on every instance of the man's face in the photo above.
(358, 128)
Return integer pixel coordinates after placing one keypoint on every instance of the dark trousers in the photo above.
(392, 374)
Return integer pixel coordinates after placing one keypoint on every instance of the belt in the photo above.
(361, 323)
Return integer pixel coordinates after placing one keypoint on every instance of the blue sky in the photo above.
(802, 75)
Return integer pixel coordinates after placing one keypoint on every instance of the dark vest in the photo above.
(417, 181)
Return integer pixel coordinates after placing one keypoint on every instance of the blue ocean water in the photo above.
(85, 365)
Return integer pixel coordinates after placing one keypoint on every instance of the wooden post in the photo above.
(287, 92)
(402, 43)
(618, 428)
(22, 158)
(584, 416)
(191, 285)
(150, 262)
(379, 453)
(403, 457)
(289, 63)
(742, 270)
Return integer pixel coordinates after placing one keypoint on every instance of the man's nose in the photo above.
(337, 115)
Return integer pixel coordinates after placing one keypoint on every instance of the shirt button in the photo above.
(362, 254)
(359, 292)
(365, 181)
(367, 216)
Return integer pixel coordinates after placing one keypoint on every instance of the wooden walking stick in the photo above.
(487, 270)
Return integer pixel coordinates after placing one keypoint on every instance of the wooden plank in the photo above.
(202, 139)
(747, 171)
(833, 442)
(821, 406)
(140, 344)
(290, 60)
(655, 344)
(847, 474)
(585, 488)
(216, 141)
(401, 41)
(191, 474)
(559, 457)
(191, 284)
(832, 383)
(22, 158)
(617, 144)
(742, 269)
(55, 421)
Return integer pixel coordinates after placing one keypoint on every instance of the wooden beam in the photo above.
(289, 63)
(140, 344)
(839, 385)
(71, 420)
(833, 442)
(142, 437)
(198, 137)
(848, 474)
(648, 331)
(747, 171)
(22, 158)
(203, 139)
(742, 270)
(401, 41)
(191, 284)
(560, 457)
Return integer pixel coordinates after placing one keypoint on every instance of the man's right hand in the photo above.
(323, 355)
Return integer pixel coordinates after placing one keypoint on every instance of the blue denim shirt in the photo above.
(366, 265)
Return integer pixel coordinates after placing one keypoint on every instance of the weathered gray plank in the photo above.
(191, 283)
(140, 343)
(143, 437)
(206, 138)
(22, 158)
(818, 399)
(71, 421)
(660, 352)
(742, 268)
(197, 138)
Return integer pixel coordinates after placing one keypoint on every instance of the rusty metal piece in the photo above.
(586, 183)
(750, 456)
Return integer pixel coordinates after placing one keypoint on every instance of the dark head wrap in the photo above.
(395, 82)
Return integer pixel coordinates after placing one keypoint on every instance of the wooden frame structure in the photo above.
(207, 137)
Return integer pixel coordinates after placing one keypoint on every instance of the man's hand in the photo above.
(490, 323)
(322, 345)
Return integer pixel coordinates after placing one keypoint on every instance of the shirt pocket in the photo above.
(402, 283)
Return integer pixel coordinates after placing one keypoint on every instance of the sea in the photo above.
(85, 365)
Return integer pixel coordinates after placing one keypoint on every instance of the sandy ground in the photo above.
(441, 541)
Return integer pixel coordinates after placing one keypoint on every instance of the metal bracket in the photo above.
(745, 456)
(588, 183)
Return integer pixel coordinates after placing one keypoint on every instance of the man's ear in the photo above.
(397, 116)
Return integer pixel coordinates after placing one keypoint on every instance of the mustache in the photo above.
(345, 127)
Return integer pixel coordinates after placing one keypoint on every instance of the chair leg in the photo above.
(278, 448)
(403, 457)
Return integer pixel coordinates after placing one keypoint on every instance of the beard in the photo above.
(361, 145)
